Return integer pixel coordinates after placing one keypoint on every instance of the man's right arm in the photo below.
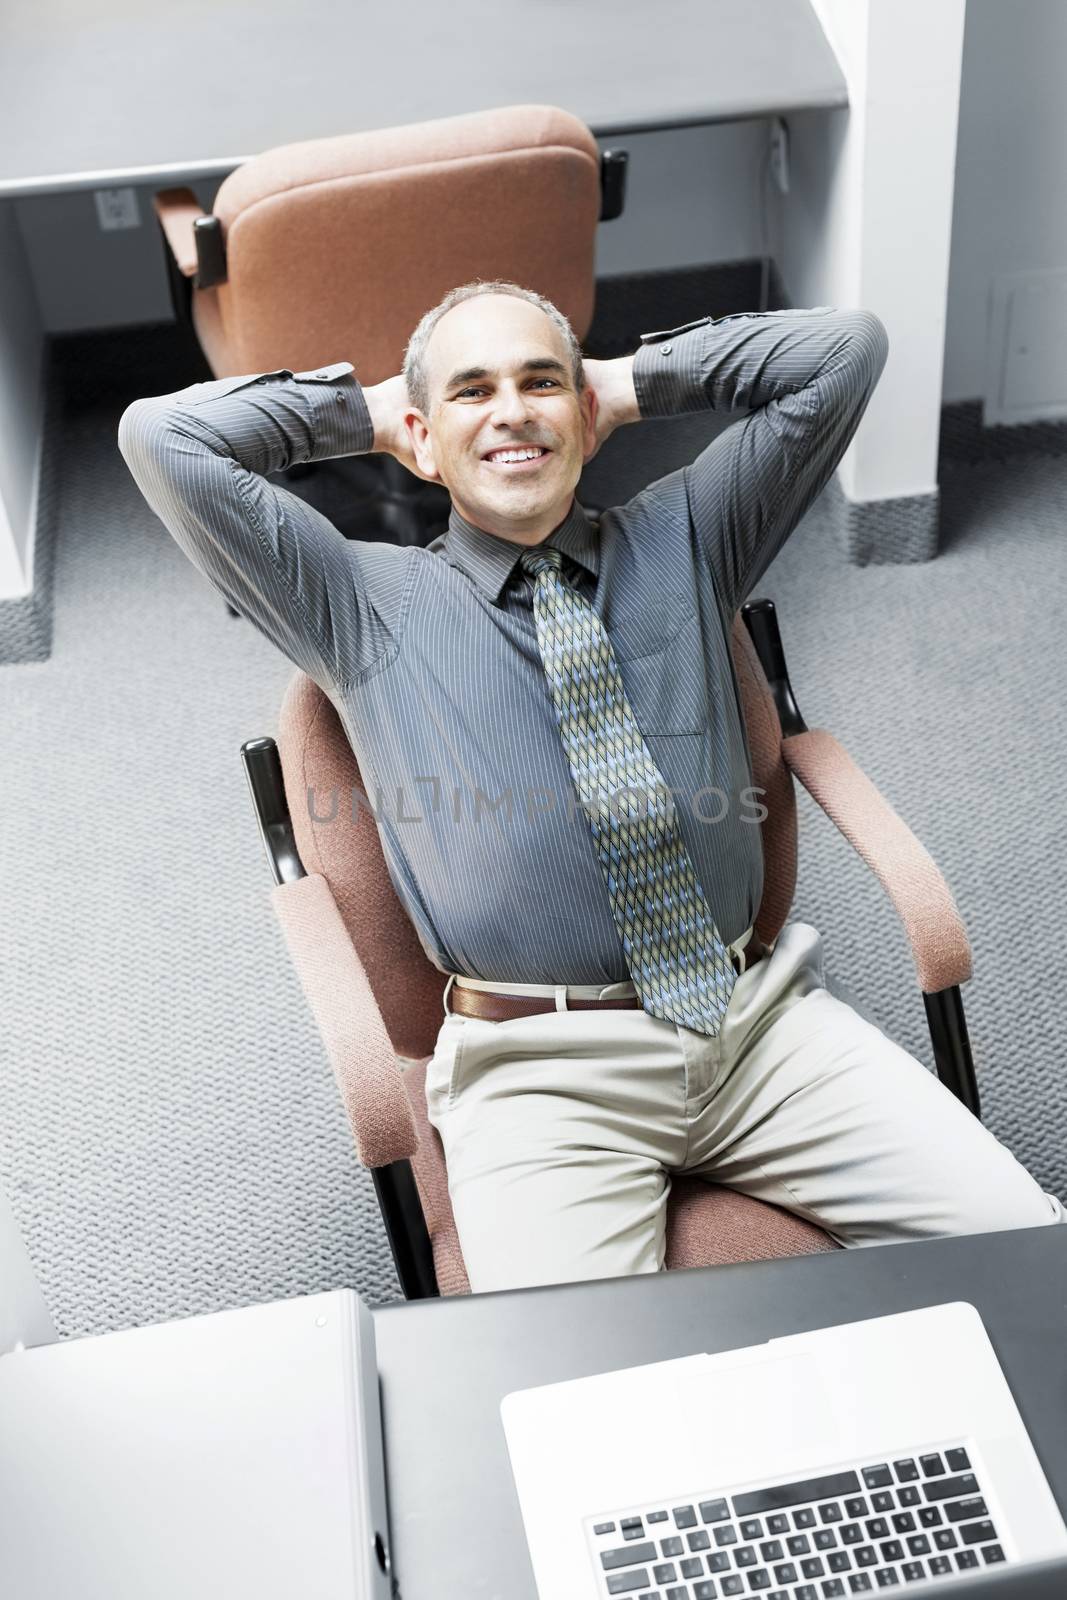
(200, 458)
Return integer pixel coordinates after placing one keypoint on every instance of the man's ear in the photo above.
(418, 432)
(589, 403)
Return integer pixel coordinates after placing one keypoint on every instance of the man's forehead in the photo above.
(493, 336)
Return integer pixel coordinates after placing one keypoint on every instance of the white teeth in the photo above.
(515, 455)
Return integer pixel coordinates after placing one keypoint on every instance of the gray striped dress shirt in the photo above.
(430, 656)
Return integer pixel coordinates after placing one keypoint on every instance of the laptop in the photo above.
(234, 1454)
(886, 1454)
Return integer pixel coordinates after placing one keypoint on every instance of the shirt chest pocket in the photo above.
(659, 657)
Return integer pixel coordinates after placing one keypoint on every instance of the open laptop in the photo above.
(886, 1454)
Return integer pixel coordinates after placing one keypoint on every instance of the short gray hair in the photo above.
(415, 354)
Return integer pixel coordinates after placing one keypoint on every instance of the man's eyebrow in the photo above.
(535, 364)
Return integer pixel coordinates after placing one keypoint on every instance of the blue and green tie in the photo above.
(679, 964)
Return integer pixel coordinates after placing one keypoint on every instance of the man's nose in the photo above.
(511, 408)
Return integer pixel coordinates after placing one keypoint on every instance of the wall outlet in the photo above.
(780, 154)
(117, 208)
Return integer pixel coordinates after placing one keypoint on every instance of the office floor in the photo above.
(170, 1135)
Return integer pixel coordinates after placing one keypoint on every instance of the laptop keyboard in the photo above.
(880, 1525)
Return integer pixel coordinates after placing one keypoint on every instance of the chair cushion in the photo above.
(707, 1224)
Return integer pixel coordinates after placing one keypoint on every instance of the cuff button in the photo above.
(665, 349)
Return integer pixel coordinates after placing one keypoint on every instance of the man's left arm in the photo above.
(805, 378)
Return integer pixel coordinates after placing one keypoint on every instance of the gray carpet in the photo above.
(170, 1135)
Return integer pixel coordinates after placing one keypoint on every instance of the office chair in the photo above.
(332, 249)
(378, 999)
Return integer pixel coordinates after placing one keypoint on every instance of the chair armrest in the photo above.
(177, 210)
(909, 875)
(343, 1005)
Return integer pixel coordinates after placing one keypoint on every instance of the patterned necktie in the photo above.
(678, 962)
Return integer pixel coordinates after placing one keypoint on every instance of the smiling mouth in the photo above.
(526, 463)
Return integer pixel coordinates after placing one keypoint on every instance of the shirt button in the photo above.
(665, 350)
(320, 374)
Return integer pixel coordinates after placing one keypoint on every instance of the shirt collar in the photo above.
(490, 560)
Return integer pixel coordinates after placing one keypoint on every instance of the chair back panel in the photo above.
(336, 247)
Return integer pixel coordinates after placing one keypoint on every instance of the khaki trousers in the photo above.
(561, 1130)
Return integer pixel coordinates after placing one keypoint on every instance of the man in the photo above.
(549, 698)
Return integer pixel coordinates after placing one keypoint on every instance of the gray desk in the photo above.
(445, 1364)
(109, 92)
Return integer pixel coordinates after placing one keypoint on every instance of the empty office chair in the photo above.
(378, 999)
(332, 249)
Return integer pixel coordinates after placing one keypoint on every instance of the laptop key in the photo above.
(691, 1567)
(726, 1535)
(666, 1572)
(860, 1583)
(913, 1572)
(919, 1544)
(939, 1564)
(951, 1488)
(626, 1555)
(804, 1519)
(806, 1591)
(752, 1528)
(771, 1550)
(745, 1556)
(852, 1533)
(878, 1477)
(813, 1567)
(714, 1510)
(681, 1593)
(826, 1487)
(886, 1578)
(992, 1553)
(655, 1516)
(977, 1532)
(964, 1510)
(684, 1517)
(966, 1558)
(909, 1496)
(882, 1501)
(857, 1507)
(698, 1540)
(865, 1556)
(945, 1539)
(628, 1582)
(799, 1544)
(930, 1516)
(892, 1550)
(786, 1573)
(669, 1547)
(759, 1580)
(604, 1527)
(778, 1524)
(833, 1587)
(825, 1539)
(733, 1583)
(958, 1460)
(906, 1471)
(932, 1465)
(839, 1561)
(718, 1561)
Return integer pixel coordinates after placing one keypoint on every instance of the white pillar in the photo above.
(868, 221)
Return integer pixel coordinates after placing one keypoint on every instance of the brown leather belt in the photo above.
(490, 1006)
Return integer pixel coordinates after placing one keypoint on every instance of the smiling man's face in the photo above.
(499, 377)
